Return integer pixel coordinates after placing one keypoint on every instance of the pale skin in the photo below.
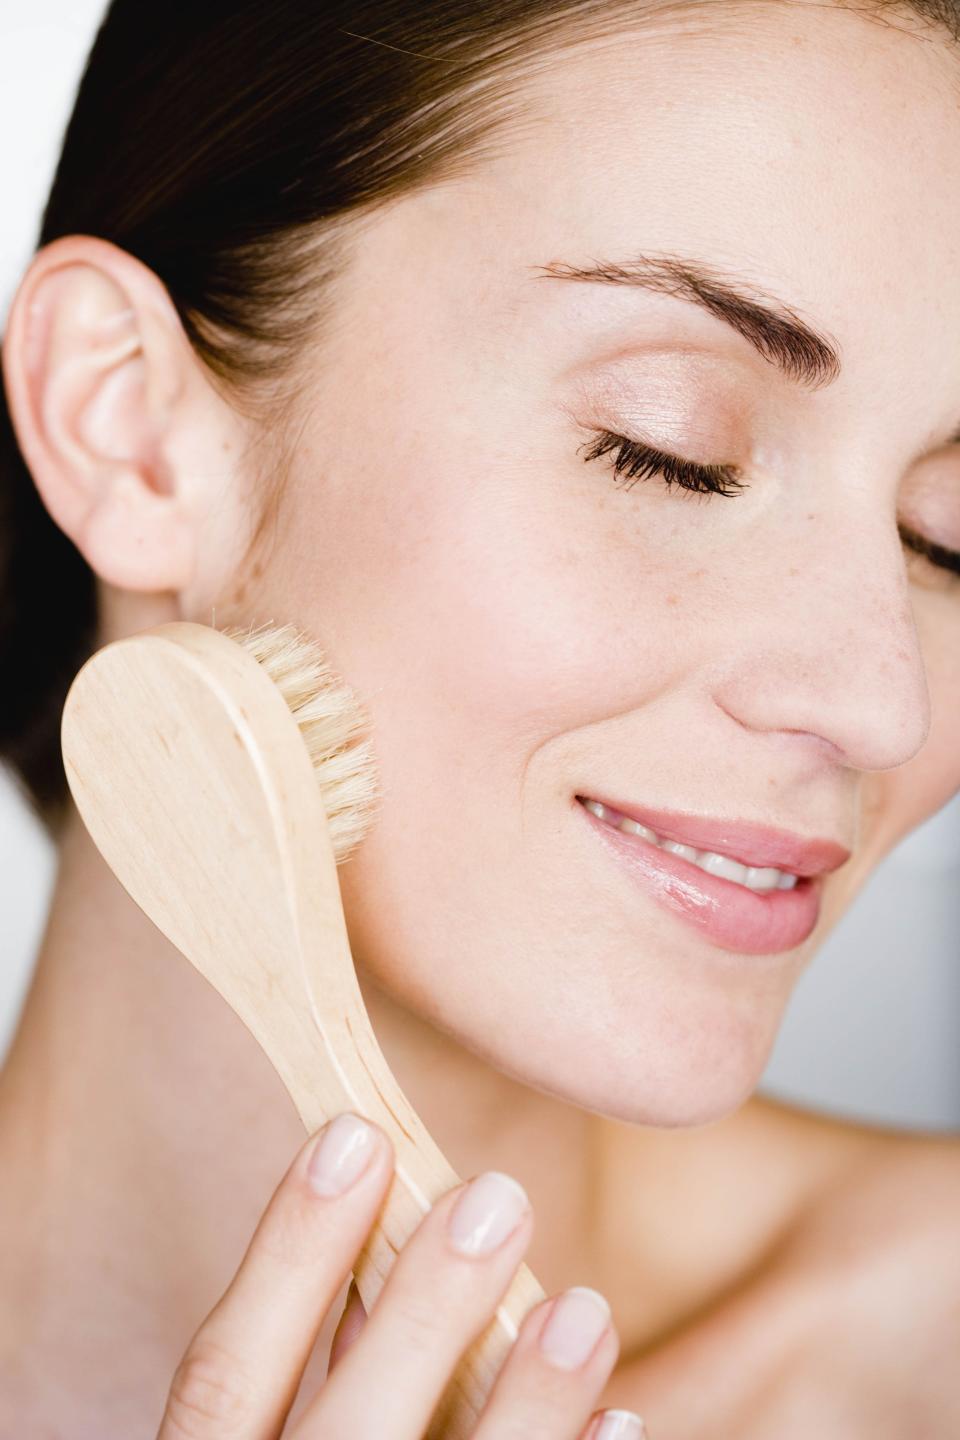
(522, 630)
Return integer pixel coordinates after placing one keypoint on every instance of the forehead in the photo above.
(750, 130)
(811, 150)
(773, 112)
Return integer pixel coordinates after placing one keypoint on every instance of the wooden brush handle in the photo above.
(193, 780)
(460, 1406)
(422, 1175)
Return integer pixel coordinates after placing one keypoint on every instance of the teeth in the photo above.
(633, 827)
(721, 865)
(766, 878)
(753, 877)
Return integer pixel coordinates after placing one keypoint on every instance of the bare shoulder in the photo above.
(775, 1176)
(895, 1213)
(732, 1190)
(813, 1197)
(876, 1195)
(698, 1211)
(849, 1324)
(877, 1258)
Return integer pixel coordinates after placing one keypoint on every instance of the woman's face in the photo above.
(525, 628)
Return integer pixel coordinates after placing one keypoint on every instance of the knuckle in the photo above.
(209, 1395)
(419, 1315)
(456, 1300)
(290, 1241)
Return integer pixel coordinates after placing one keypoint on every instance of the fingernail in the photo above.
(489, 1210)
(345, 1149)
(620, 1425)
(577, 1321)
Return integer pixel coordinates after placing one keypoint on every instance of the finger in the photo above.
(442, 1291)
(241, 1371)
(549, 1384)
(351, 1322)
(617, 1425)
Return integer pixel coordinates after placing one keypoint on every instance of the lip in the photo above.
(757, 845)
(729, 915)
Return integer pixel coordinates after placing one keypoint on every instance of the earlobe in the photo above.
(93, 370)
(136, 541)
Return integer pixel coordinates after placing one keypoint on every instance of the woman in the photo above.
(380, 319)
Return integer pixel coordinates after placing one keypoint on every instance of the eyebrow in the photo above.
(774, 330)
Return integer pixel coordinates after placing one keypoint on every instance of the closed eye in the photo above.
(937, 554)
(637, 461)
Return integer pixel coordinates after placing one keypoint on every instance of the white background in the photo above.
(874, 1026)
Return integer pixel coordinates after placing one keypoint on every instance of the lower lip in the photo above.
(729, 914)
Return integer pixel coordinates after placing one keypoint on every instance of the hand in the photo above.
(241, 1372)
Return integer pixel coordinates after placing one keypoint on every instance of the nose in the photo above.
(835, 653)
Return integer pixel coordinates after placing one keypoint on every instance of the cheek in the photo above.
(480, 618)
(482, 642)
(528, 970)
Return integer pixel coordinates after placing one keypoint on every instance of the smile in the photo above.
(703, 888)
(756, 878)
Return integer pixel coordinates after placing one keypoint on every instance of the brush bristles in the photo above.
(331, 722)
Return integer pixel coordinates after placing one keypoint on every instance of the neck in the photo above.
(140, 1120)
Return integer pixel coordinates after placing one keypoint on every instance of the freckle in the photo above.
(673, 599)
(812, 515)
(793, 570)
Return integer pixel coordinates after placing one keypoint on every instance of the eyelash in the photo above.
(639, 462)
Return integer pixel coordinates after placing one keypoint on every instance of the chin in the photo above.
(667, 1070)
(701, 1098)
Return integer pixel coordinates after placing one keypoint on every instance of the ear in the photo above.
(124, 436)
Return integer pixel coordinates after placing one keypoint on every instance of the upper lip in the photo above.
(756, 845)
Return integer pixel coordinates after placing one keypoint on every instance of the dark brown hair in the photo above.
(233, 148)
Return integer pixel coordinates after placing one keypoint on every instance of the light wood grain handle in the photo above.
(422, 1175)
(459, 1409)
(193, 780)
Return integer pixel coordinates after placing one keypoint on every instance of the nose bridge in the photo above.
(844, 661)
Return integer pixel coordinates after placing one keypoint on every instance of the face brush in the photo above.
(222, 775)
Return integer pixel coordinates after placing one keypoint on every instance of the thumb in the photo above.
(351, 1322)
